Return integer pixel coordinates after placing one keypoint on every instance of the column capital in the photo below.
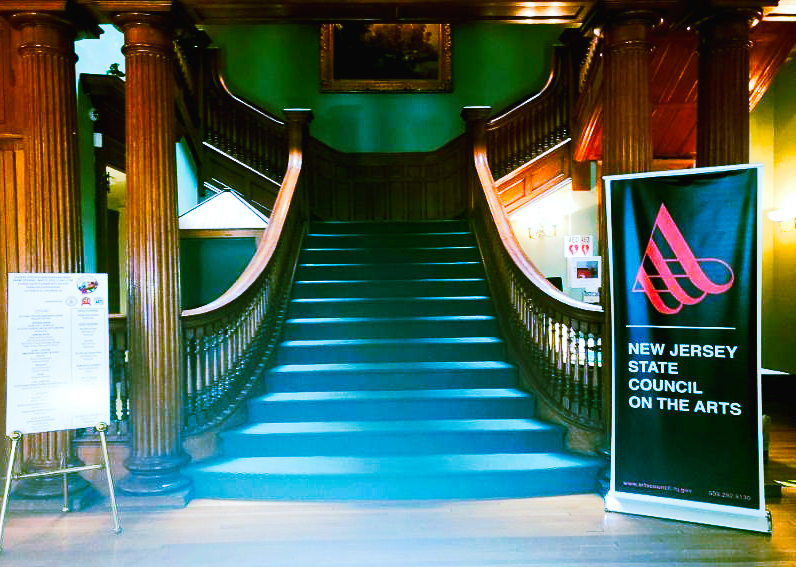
(726, 28)
(300, 116)
(608, 13)
(71, 18)
(475, 113)
(45, 32)
(146, 32)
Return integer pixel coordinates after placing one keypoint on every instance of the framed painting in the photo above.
(374, 57)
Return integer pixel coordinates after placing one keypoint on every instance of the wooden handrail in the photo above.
(226, 344)
(267, 242)
(532, 125)
(556, 339)
(239, 129)
(512, 245)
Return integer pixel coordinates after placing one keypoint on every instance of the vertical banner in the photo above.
(685, 291)
(57, 371)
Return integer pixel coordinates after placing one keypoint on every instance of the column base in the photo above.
(78, 500)
(49, 486)
(153, 476)
(170, 500)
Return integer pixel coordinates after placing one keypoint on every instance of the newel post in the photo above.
(298, 122)
(475, 118)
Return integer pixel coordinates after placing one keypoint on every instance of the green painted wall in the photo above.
(277, 66)
(773, 143)
(209, 266)
(85, 148)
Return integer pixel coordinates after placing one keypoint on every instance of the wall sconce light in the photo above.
(785, 218)
(540, 231)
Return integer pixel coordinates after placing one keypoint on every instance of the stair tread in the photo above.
(365, 395)
(390, 282)
(401, 426)
(389, 299)
(386, 342)
(432, 318)
(402, 466)
(381, 265)
(369, 234)
(399, 366)
(385, 249)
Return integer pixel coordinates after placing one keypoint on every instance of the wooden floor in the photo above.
(572, 530)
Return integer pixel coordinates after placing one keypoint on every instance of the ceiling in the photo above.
(215, 12)
(252, 11)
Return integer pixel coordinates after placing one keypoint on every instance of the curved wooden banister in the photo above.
(227, 341)
(512, 245)
(557, 339)
(535, 124)
(240, 129)
(226, 344)
(266, 245)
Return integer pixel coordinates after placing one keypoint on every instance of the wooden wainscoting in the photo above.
(384, 186)
(255, 186)
(534, 178)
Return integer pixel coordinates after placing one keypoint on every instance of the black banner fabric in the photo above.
(685, 307)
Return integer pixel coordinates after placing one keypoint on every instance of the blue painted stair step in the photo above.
(433, 287)
(392, 381)
(391, 376)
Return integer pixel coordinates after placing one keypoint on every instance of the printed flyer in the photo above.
(58, 373)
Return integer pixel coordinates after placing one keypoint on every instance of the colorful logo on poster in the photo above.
(672, 282)
(87, 286)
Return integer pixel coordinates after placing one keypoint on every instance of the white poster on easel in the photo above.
(57, 370)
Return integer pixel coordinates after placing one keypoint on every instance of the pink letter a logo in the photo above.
(667, 280)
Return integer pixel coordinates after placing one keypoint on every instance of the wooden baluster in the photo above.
(260, 150)
(561, 352)
(207, 381)
(601, 404)
(514, 145)
(187, 387)
(590, 400)
(216, 361)
(579, 368)
(527, 137)
(569, 374)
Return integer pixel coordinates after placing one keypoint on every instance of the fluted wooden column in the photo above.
(49, 231)
(723, 89)
(153, 294)
(627, 137)
(627, 131)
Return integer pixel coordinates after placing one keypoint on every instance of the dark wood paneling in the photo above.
(376, 186)
(254, 187)
(673, 89)
(772, 42)
(5, 68)
(534, 178)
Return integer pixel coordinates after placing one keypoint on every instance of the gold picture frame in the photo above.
(375, 57)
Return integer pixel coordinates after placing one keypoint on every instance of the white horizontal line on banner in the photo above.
(677, 327)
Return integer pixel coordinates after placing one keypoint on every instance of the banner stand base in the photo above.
(689, 511)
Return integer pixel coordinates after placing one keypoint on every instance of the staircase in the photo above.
(392, 383)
